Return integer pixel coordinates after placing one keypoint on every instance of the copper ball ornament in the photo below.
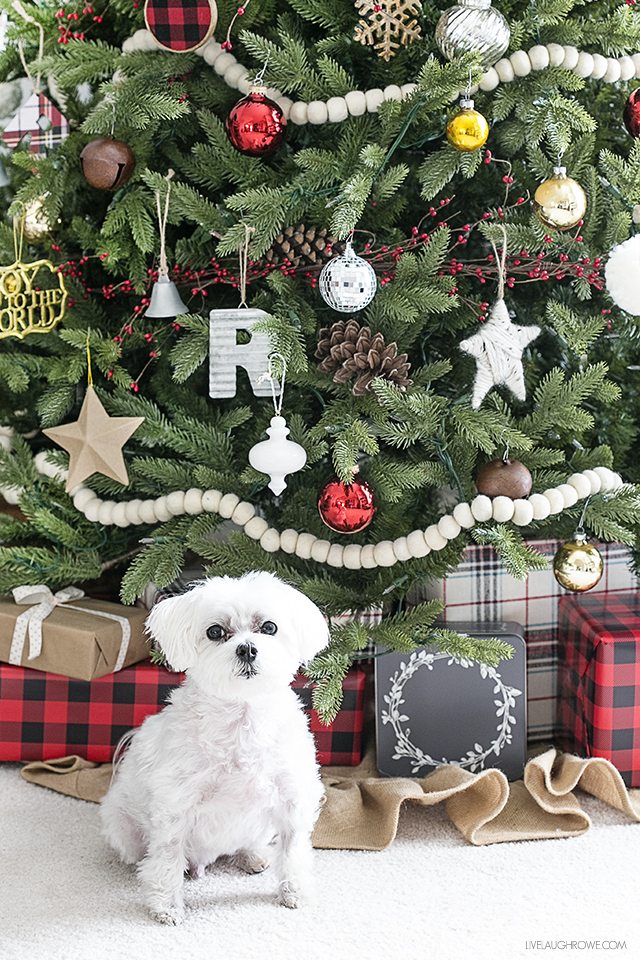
(578, 565)
(346, 507)
(560, 202)
(631, 113)
(107, 164)
(468, 130)
(504, 478)
(256, 124)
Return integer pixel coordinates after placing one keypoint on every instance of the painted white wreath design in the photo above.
(505, 701)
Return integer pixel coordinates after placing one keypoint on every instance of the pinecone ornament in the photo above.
(303, 246)
(348, 350)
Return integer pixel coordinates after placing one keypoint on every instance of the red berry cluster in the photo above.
(75, 24)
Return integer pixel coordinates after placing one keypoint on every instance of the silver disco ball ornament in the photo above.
(473, 26)
(347, 282)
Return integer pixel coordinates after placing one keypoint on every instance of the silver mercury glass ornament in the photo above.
(473, 26)
(347, 282)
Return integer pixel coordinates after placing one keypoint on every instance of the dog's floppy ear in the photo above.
(170, 623)
(311, 627)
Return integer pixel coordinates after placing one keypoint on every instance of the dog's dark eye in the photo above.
(215, 632)
(268, 627)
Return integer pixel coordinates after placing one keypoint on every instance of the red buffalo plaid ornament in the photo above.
(44, 716)
(599, 679)
(180, 25)
(38, 123)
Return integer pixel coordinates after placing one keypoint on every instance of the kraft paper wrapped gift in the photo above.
(69, 634)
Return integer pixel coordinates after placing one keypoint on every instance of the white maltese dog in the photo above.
(228, 768)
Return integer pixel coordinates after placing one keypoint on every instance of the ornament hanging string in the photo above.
(17, 6)
(501, 262)
(270, 375)
(18, 237)
(244, 260)
(89, 370)
(580, 527)
(163, 216)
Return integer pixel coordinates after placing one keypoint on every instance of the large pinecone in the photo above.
(348, 350)
(303, 246)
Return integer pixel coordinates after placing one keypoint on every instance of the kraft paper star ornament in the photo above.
(498, 347)
(94, 442)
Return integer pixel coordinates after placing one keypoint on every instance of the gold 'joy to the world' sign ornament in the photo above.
(33, 296)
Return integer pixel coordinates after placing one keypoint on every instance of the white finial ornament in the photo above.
(498, 347)
(277, 456)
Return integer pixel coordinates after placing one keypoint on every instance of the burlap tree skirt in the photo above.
(362, 809)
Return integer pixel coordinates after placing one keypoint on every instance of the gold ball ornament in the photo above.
(468, 130)
(578, 565)
(560, 202)
(35, 221)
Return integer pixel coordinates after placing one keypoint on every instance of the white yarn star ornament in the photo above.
(498, 347)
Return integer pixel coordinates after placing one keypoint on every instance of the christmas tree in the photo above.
(496, 337)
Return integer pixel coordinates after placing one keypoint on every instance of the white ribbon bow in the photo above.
(42, 602)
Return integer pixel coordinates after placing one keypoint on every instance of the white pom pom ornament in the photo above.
(622, 274)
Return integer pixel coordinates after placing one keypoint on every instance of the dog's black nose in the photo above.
(247, 652)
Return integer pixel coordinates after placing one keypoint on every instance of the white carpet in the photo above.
(430, 896)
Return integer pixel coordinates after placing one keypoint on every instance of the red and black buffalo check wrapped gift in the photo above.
(44, 716)
(599, 680)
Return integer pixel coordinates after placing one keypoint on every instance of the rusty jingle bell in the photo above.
(33, 297)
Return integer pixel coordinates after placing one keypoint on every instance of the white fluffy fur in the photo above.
(621, 275)
(228, 768)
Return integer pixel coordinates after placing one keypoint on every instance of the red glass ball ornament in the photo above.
(346, 507)
(631, 115)
(256, 124)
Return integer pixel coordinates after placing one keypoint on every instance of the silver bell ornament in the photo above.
(473, 26)
(347, 282)
(165, 300)
(277, 456)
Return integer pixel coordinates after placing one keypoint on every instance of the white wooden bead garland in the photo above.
(353, 556)
(336, 109)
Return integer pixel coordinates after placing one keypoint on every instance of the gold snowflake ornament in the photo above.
(386, 25)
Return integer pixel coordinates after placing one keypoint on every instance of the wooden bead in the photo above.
(228, 503)
(613, 71)
(105, 512)
(540, 506)
(82, 497)
(351, 556)
(374, 98)
(337, 109)
(234, 73)
(627, 68)
(288, 540)
(595, 482)
(434, 539)
(504, 69)
(161, 510)
(222, 62)
(303, 545)
(270, 540)
(356, 103)
(568, 494)
(556, 54)
(522, 512)
(392, 92)
(118, 514)
(383, 554)
(581, 484)
(556, 500)
(320, 550)
(448, 527)
(317, 112)
(335, 555)
(193, 501)
(367, 560)
(211, 501)
(256, 527)
(490, 80)
(539, 57)
(92, 509)
(462, 514)
(600, 65)
(175, 502)
(298, 114)
(481, 508)
(243, 513)
(502, 509)
(417, 545)
(401, 549)
(147, 511)
(571, 55)
(584, 66)
(285, 105)
(520, 63)
(506, 478)
(408, 90)
(132, 512)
